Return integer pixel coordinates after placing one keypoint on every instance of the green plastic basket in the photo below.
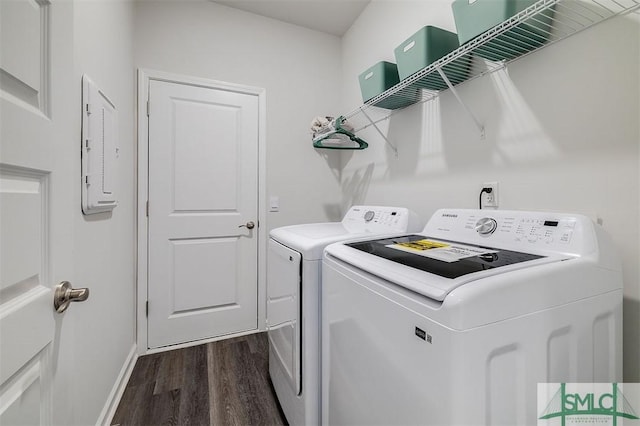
(379, 78)
(475, 17)
(425, 47)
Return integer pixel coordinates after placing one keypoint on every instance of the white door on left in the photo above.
(36, 204)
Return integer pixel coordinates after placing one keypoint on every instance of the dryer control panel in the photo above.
(380, 219)
(532, 231)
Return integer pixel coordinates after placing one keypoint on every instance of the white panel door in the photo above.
(36, 185)
(203, 190)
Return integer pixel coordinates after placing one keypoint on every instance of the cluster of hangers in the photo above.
(336, 135)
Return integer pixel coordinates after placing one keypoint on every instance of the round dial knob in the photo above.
(486, 226)
(369, 215)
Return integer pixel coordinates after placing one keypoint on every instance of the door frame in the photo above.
(144, 77)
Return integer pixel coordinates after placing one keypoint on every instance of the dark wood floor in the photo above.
(220, 383)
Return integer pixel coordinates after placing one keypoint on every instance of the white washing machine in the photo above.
(457, 325)
(293, 300)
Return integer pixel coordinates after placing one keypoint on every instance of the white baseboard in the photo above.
(116, 393)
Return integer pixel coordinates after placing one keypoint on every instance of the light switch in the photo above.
(274, 204)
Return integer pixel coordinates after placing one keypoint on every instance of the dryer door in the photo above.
(284, 267)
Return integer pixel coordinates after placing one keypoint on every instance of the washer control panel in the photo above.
(516, 229)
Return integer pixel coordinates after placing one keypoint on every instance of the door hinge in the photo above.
(147, 108)
(147, 208)
(88, 108)
(147, 309)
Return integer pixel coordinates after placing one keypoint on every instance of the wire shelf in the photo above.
(542, 24)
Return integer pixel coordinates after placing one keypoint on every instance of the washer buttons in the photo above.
(486, 226)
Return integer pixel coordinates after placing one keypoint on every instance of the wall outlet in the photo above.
(490, 199)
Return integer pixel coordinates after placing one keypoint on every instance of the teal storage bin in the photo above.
(473, 18)
(377, 79)
(425, 47)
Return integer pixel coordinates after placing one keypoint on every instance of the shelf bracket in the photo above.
(455, 93)
(373, 123)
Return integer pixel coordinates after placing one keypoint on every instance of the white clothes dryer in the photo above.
(293, 300)
(458, 324)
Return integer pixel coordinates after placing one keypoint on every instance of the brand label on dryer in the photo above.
(423, 334)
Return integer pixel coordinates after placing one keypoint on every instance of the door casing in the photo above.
(144, 76)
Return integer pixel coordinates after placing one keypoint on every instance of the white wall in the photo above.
(562, 135)
(104, 243)
(299, 68)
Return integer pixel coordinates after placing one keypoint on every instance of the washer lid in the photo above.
(447, 259)
(432, 267)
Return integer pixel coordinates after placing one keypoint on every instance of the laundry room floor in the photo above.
(220, 383)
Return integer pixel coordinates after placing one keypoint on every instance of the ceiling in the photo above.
(329, 16)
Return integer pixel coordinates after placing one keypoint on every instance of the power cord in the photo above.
(484, 190)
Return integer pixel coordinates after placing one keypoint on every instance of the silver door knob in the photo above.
(64, 295)
(248, 225)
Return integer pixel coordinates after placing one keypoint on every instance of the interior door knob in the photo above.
(64, 295)
(248, 225)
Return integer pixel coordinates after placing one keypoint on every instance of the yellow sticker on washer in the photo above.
(422, 245)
